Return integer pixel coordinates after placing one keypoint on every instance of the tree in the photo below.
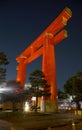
(3, 62)
(61, 94)
(15, 93)
(39, 86)
(73, 86)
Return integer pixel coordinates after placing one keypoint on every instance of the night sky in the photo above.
(22, 21)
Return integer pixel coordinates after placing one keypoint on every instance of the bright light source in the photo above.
(26, 108)
(5, 89)
(33, 98)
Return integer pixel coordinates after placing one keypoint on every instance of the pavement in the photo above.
(4, 125)
(45, 121)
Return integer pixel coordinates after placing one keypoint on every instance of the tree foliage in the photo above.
(73, 86)
(61, 94)
(16, 92)
(3, 62)
(39, 86)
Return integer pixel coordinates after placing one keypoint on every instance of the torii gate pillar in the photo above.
(44, 45)
(49, 65)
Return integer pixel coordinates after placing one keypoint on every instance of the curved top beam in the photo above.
(53, 28)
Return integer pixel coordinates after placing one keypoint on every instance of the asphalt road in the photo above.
(47, 121)
(4, 125)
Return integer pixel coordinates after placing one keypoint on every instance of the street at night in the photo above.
(45, 121)
(40, 65)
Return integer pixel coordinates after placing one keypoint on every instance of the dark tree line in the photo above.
(73, 87)
(3, 62)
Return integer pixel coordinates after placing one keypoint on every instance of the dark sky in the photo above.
(22, 21)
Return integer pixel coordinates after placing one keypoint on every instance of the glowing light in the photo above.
(26, 108)
(5, 89)
(33, 98)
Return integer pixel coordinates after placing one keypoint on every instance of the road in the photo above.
(44, 121)
(4, 125)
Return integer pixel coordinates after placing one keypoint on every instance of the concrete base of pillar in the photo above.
(43, 106)
(49, 106)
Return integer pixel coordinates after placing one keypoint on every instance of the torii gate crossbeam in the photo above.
(44, 45)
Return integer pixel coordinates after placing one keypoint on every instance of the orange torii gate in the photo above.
(44, 45)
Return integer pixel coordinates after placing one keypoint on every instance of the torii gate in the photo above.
(44, 45)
